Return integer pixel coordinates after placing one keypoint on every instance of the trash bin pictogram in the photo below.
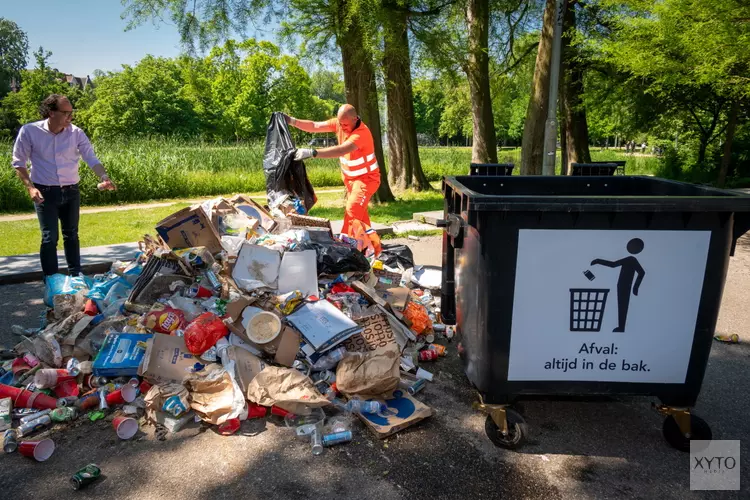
(587, 309)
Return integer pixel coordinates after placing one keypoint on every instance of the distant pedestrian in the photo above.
(643, 148)
(627, 147)
(53, 146)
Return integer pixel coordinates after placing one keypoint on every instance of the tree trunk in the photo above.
(404, 167)
(477, 70)
(702, 149)
(726, 158)
(571, 83)
(564, 165)
(532, 146)
(361, 92)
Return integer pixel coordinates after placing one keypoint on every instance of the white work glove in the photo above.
(304, 154)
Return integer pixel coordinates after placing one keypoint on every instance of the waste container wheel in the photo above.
(699, 430)
(516, 430)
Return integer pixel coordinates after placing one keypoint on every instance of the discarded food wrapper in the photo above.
(121, 354)
(286, 388)
(428, 277)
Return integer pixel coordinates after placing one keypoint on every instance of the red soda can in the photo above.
(428, 355)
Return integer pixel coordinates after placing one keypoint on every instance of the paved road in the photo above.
(576, 449)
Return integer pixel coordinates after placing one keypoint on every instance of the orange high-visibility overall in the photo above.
(360, 172)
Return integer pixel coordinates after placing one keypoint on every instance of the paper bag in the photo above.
(158, 395)
(377, 335)
(369, 375)
(216, 398)
(287, 388)
(246, 365)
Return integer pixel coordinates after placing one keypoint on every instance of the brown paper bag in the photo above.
(158, 395)
(287, 388)
(215, 397)
(369, 375)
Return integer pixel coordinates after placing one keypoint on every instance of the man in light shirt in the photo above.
(53, 146)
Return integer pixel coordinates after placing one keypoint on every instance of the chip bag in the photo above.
(165, 320)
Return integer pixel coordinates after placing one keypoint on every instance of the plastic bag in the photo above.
(203, 333)
(101, 288)
(60, 284)
(397, 256)
(284, 175)
(417, 315)
(338, 258)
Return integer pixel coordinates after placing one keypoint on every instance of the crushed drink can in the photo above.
(67, 401)
(34, 416)
(85, 476)
(428, 355)
(337, 438)
(213, 280)
(439, 349)
(10, 441)
(34, 425)
(64, 414)
(416, 386)
(73, 366)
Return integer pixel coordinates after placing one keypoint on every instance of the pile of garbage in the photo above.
(230, 314)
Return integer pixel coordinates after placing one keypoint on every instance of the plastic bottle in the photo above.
(356, 405)
(292, 420)
(330, 360)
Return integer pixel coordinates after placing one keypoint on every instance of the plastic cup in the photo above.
(279, 412)
(424, 374)
(256, 411)
(38, 450)
(126, 394)
(48, 378)
(125, 427)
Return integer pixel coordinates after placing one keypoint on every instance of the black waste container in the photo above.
(588, 286)
(491, 168)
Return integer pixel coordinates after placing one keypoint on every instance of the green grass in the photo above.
(157, 169)
(108, 228)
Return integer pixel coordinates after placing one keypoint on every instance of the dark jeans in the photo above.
(61, 203)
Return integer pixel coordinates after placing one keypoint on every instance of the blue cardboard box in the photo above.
(121, 354)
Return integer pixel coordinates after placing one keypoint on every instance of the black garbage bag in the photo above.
(393, 255)
(283, 174)
(337, 258)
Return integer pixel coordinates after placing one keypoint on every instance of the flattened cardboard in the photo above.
(288, 347)
(404, 411)
(377, 334)
(190, 227)
(167, 359)
(121, 354)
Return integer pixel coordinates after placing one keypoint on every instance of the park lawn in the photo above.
(124, 226)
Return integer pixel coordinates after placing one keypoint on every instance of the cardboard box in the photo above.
(406, 411)
(252, 209)
(167, 359)
(190, 227)
(121, 354)
(377, 334)
(396, 297)
(6, 406)
(288, 347)
(246, 364)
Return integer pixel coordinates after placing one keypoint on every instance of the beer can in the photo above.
(428, 355)
(10, 441)
(67, 401)
(337, 438)
(28, 418)
(34, 425)
(85, 476)
(417, 386)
